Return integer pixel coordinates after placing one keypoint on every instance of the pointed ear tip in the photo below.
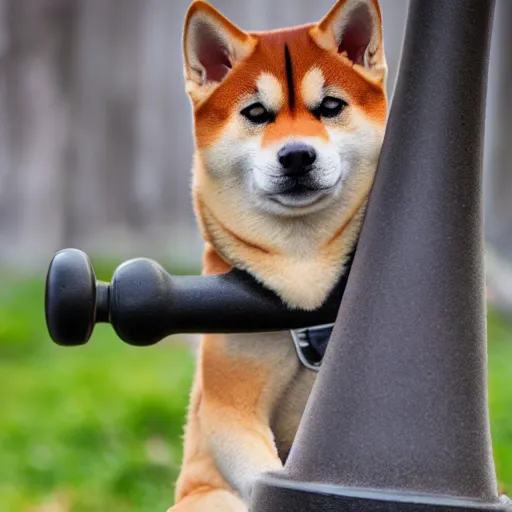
(202, 7)
(200, 4)
(197, 6)
(341, 3)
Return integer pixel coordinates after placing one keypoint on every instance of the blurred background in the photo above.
(95, 153)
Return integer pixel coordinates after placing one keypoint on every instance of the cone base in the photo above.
(276, 494)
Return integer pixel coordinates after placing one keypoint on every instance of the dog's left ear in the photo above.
(353, 29)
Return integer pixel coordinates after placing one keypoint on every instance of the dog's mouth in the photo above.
(301, 193)
(299, 196)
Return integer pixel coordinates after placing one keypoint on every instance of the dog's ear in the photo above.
(212, 45)
(353, 29)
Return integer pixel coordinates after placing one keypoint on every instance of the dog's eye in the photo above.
(330, 107)
(257, 113)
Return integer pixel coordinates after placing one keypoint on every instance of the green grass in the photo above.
(91, 428)
(500, 395)
(98, 427)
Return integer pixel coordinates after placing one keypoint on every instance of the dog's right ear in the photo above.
(212, 45)
(353, 28)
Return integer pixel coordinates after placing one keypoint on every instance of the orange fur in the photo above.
(250, 389)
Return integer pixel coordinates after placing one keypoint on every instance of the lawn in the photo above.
(97, 428)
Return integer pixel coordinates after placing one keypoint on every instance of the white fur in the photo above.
(312, 87)
(270, 91)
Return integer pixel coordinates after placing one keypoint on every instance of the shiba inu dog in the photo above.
(288, 128)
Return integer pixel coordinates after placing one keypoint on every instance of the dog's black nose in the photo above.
(296, 158)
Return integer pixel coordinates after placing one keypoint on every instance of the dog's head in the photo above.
(288, 121)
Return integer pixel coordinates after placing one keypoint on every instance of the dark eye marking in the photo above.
(257, 114)
(330, 107)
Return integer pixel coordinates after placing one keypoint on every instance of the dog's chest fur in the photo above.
(287, 385)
